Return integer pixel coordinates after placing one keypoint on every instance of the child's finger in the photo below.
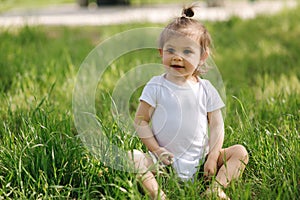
(209, 171)
(167, 158)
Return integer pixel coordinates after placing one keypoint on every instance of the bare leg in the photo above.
(231, 163)
(151, 186)
(142, 163)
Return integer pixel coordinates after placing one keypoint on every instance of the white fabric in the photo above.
(179, 121)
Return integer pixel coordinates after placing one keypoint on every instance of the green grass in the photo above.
(12, 4)
(41, 156)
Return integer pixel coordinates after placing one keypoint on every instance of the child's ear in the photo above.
(204, 56)
(160, 52)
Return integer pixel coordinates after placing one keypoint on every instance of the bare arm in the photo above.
(216, 139)
(141, 122)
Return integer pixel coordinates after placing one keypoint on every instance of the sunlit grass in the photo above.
(29, 4)
(282, 88)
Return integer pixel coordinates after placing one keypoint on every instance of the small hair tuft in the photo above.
(188, 12)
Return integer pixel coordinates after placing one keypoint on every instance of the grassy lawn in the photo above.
(10, 4)
(41, 156)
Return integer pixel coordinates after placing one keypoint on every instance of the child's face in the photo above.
(180, 56)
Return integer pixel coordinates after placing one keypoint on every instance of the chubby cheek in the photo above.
(166, 60)
(192, 63)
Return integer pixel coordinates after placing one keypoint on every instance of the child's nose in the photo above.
(177, 58)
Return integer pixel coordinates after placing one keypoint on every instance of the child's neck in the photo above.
(181, 80)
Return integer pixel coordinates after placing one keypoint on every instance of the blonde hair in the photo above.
(188, 27)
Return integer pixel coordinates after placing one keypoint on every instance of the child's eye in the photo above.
(186, 52)
(170, 50)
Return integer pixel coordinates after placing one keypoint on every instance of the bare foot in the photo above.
(215, 191)
(160, 196)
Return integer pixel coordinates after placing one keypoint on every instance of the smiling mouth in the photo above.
(177, 66)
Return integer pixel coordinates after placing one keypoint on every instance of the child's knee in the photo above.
(138, 159)
(241, 152)
(136, 155)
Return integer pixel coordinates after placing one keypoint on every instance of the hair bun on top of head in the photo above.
(188, 12)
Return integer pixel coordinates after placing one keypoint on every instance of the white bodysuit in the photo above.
(179, 121)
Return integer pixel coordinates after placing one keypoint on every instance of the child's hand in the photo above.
(210, 167)
(164, 156)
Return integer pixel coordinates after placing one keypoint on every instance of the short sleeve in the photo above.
(149, 94)
(214, 100)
